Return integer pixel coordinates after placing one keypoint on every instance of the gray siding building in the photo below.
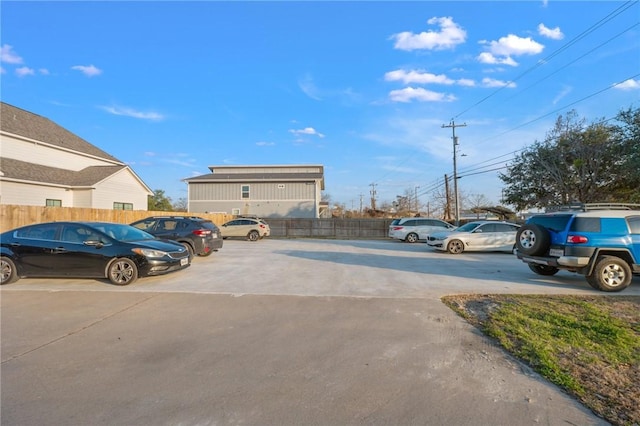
(265, 191)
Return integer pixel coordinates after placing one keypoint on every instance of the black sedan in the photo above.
(119, 252)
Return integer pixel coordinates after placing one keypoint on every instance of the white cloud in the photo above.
(563, 93)
(43, 71)
(552, 33)
(263, 143)
(449, 35)
(420, 77)
(307, 131)
(488, 58)
(502, 50)
(8, 55)
(23, 71)
(466, 82)
(419, 94)
(630, 84)
(89, 71)
(309, 88)
(491, 82)
(130, 112)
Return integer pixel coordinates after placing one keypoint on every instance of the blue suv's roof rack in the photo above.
(583, 207)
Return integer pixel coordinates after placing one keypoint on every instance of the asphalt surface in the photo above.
(278, 332)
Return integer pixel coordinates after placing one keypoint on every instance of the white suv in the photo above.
(412, 229)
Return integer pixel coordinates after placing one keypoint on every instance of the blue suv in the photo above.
(602, 245)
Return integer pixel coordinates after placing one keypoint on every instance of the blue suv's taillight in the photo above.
(577, 239)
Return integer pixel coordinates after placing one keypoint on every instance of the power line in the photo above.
(544, 61)
(438, 183)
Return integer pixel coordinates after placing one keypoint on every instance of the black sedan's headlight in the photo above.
(146, 252)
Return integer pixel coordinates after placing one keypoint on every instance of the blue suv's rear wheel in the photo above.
(610, 274)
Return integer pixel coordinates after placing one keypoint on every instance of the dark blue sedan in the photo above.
(118, 252)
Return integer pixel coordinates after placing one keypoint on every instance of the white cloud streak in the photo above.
(24, 71)
(130, 112)
(306, 131)
(7, 55)
(502, 50)
(419, 94)
(449, 36)
(630, 84)
(552, 33)
(88, 70)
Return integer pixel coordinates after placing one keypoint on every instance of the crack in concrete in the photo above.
(57, 339)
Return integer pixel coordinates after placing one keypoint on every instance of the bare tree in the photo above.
(476, 202)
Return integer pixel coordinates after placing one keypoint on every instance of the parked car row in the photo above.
(121, 253)
(603, 244)
(484, 235)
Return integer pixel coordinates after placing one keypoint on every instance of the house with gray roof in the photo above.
(43, 164)
(265, 190)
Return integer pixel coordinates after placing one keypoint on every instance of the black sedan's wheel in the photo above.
(8, 271)
(455, 247)
(253, 236)
(610, 274)
(532, 240)
(543, 269)
(411, 238)
(122, 271)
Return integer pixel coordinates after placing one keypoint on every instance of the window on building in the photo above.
(245, 192)
(53, 203)
(122, 206)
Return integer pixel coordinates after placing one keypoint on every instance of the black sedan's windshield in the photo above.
(123, 232)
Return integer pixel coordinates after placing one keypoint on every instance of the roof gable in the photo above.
(22, 170)
(32, 126)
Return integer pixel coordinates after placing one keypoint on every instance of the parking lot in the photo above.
(280, 332)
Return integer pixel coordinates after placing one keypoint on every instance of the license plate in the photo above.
(556, 252)
(184, 261)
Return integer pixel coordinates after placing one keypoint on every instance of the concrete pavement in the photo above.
(277, 332)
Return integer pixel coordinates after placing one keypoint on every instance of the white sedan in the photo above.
(476, 236)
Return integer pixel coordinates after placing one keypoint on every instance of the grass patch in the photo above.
(589, 346)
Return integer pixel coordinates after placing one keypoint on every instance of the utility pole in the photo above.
(453, 126)
(373, 196)
(361, 195)
(447, 209)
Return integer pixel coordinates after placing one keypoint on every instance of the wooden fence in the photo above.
(14, 216)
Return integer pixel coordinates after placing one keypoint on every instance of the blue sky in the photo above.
(363, 88)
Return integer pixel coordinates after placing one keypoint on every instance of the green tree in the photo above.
(627, 139)
(576, 163)
(159, 202)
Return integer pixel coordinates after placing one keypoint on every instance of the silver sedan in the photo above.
(476, 236)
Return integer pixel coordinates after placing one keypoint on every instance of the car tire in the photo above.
(253, 236)
(189, 250)
(455, 247)
(122, 271)
(205, 253)
(532, 239)
(8, 271)
(543, 269)
(610, 273)
(411, 237)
